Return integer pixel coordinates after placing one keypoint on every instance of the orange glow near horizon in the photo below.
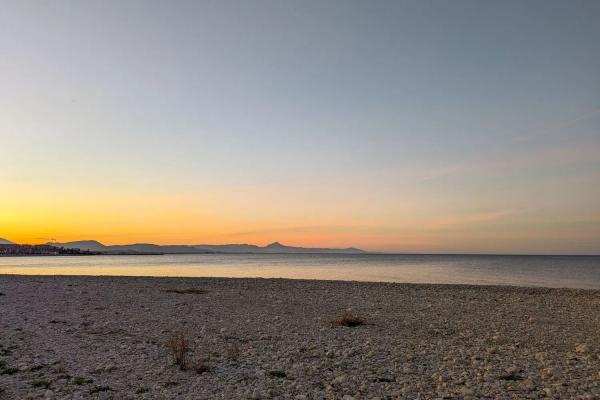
(419, 215)
(257, 216)
(420, 127)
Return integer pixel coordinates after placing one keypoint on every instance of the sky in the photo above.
(397, 126)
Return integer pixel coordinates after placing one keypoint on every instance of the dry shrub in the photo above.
(232, 351)
(201, 366)
(350, 320)
(179, 347)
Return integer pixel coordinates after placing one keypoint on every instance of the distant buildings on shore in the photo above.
(40, 250)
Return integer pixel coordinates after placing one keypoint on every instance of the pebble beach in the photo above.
(78, 337)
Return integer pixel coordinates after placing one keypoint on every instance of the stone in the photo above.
(340, 379)
(582, 348)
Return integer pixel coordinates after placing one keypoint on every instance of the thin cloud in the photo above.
(547, 130)
(472, 218)
(291, 229)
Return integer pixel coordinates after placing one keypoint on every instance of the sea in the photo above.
(516, 270)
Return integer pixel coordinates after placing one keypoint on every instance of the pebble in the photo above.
(419, 341)
(582, 348)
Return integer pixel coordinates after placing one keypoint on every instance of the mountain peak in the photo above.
(90, 245)
(4, 241)
(274, 245)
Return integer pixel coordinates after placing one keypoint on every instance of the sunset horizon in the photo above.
(299, 199)
(328, 244)
(309, 124)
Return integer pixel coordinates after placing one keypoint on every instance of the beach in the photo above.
(83, 337)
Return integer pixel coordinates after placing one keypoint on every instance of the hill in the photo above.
(148, 248)
(88, 245)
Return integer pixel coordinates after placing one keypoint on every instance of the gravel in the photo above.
(105, 338)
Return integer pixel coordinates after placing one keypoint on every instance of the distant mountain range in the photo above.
(147, 248)
(4, 241)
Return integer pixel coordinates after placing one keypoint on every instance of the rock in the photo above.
(582, 348)
(425, 341)
(104, 396)
(512, 370)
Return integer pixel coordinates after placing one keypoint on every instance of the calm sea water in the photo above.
(550, 271)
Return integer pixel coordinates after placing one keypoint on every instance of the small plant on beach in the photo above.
(350, 320)
(232, 352)
(186, 291)
(179, 347)
(37, 367)
(201, 366)
(80, 380)
(8, 371)
(277, 373)
(40, 383)
(99, 389)
(59, 367)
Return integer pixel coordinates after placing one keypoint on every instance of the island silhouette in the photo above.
(149, 248)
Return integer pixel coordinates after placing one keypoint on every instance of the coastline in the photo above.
(307, 280)
(104, 337)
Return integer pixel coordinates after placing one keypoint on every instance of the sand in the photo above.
(105, 338)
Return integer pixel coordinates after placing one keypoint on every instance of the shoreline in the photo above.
(371, 253)
(175, 277)
(103, 337)
(200, 278)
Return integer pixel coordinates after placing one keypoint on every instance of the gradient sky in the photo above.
(409, 126)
